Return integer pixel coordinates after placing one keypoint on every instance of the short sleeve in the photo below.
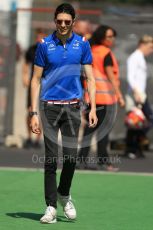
(108, 60)
(86, 53)
(30, 54)
(40, 56)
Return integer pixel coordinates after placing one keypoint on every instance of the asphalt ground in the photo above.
(34, 158)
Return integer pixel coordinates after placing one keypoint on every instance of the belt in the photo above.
(63, 102)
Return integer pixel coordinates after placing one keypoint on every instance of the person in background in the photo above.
(56, 79)
(137, 95)
(18, 52)
(83, 28)
(108, 93)
(26, 77)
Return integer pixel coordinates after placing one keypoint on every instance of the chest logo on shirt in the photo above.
(51, 47)
(76, 44)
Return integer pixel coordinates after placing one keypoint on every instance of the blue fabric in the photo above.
(62, 66)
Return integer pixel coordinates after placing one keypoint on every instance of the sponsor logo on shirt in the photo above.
(76, 44)
(51, 47)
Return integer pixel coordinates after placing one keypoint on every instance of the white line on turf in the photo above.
(79, 171)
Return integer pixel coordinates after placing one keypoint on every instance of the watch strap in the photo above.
(32, 113)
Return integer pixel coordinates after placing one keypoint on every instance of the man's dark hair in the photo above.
(65, 8)
(100, 34)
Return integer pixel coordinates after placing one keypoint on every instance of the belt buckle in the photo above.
(62, 102)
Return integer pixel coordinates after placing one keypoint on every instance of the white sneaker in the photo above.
(68, 206)
(132, 156)
(50, 216)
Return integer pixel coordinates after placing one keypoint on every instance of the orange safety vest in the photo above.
(105, 94)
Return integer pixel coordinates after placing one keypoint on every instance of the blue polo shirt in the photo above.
(62, 66)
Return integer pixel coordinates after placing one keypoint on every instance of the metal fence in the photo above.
(7, 70)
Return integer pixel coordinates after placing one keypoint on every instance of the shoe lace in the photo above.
(49, 210)
(67, 202)
(69, 205)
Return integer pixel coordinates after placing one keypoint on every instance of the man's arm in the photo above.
(35, 88)
(131, 79)
(131, 72)
(27, 65)
(91, 90)
(26, 74)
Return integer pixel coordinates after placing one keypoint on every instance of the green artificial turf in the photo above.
(103, 202)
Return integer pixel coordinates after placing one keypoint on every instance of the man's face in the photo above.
(64, 23)
(148, 48)
(40, 36)
(82, 27)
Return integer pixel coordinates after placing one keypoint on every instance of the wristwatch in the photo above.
(33, 113)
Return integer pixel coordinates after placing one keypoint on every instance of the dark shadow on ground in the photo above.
(26, 215)
(35, 216)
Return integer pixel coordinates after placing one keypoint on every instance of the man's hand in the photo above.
(121, 102)
(35, 125)
(92, 118)
(137, 97)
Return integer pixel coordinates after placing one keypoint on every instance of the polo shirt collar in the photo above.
(57, 40)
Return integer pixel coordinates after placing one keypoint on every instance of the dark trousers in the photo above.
(148, 112)
(133, 136)
(65, 118)
(105, 118)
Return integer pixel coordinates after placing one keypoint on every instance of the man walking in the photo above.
(137, 95)
(57, 69)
